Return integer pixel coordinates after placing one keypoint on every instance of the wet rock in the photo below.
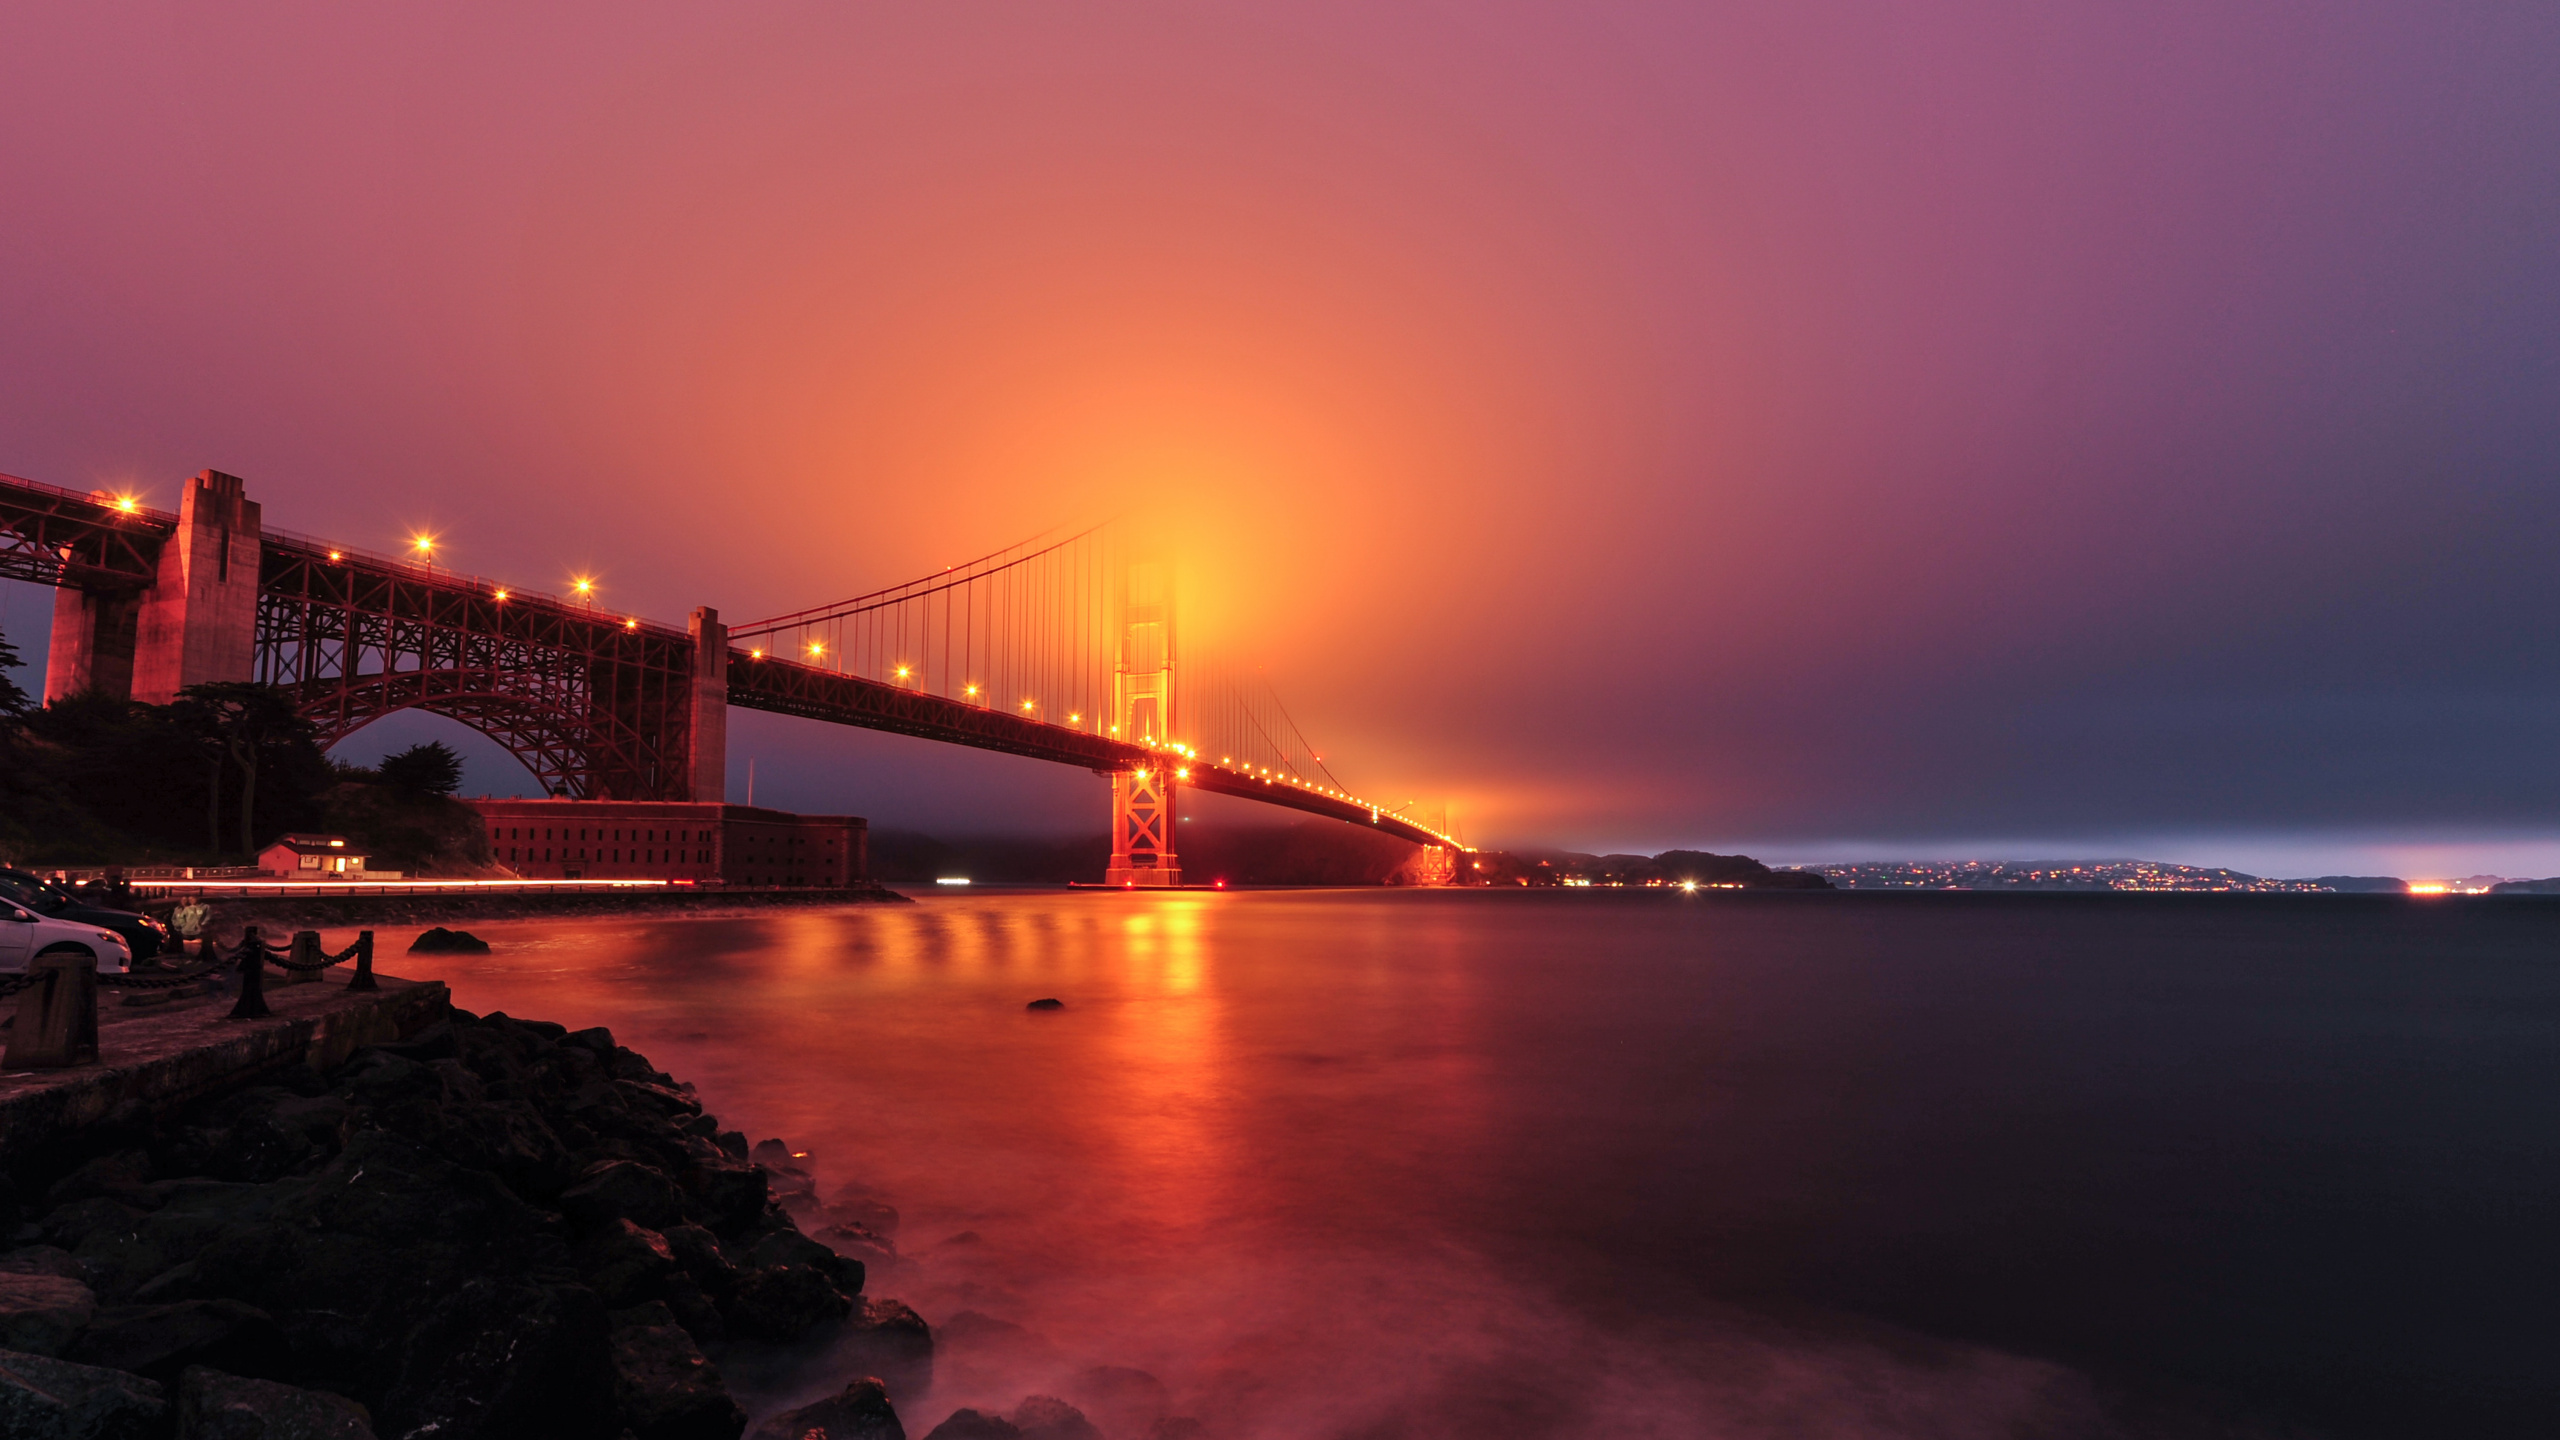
(46, 1399)
(975, 1425)
(1048, 1004)
(499, 1359)
(105, 1175)
(790, 1247)
(666, 1390)
(1046, 1417)
(731, 1195)
(780, 1152)
(440, 941)
(890, 1341)
(621, 1190)
(1120, 1399)
(40, 1313)
(159, 1341)
(700, 1253)
(627, 1264)
(43, 1260)
(863, 1211)
(785, 1302)
(861, 1411)
(216, 1406)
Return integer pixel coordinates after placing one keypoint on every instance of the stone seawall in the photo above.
(154, 1060)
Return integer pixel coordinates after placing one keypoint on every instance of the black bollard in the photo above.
(364, 963)
(306, 951)
(57, 1022)
(253, 978)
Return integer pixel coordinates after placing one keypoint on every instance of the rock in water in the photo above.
(667, 1390)
(974, 1425)
(45, 1399)
(215, 1406)
(860, 1412)
(1052, 1003)
(40, 1313)
(1046, 1417)
(440, 941)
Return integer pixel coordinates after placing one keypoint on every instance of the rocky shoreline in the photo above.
(495, 1228)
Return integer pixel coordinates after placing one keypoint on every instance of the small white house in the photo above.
(311, 857)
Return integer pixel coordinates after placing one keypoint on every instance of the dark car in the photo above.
(142, 934)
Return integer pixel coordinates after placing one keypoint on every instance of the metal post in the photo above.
(306, 951)
(57, 1023)
(253, 978)
(364, 963)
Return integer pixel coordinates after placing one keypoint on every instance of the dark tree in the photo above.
(432, 768)
(13, 701)
(254, 725)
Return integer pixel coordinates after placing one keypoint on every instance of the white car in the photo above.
(24, 934)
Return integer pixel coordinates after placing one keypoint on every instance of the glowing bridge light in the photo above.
(1074, 719)
(968, 689)
(902, 672)
(335, 557)
(631, 624)
(755, 654)
(816, 648)
(1183, 773)
(1026, 705)
(127, 504)
(1142, 774)
(499, 596)
(423, 544)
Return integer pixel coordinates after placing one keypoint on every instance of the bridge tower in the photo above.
(1142, 803)
(195, 622)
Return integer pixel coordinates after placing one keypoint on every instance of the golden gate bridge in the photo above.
(1066, 647)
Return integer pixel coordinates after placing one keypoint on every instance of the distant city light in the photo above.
(951, 880)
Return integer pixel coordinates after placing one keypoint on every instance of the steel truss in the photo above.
(594, 705)
(53, 536)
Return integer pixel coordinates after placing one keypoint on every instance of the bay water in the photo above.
(1408, 1165)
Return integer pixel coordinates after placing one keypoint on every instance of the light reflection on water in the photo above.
(1381, 1165)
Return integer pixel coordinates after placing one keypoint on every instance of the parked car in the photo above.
(24, 935)
(143, 936)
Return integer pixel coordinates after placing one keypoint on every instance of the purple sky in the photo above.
(1828, 430)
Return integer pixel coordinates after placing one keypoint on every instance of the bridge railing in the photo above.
(330, 551)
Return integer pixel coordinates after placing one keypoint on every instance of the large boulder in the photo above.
(42, 1398)
(861, 1411)
(216, 1406)
(627, 1264)
(666, 1390)
(891, 1341)
(500, 1359)
(1046, 1417)
(161, 1340)
(623, 1190)
(40, 1313)
(785, 1302)
(975, 1425)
